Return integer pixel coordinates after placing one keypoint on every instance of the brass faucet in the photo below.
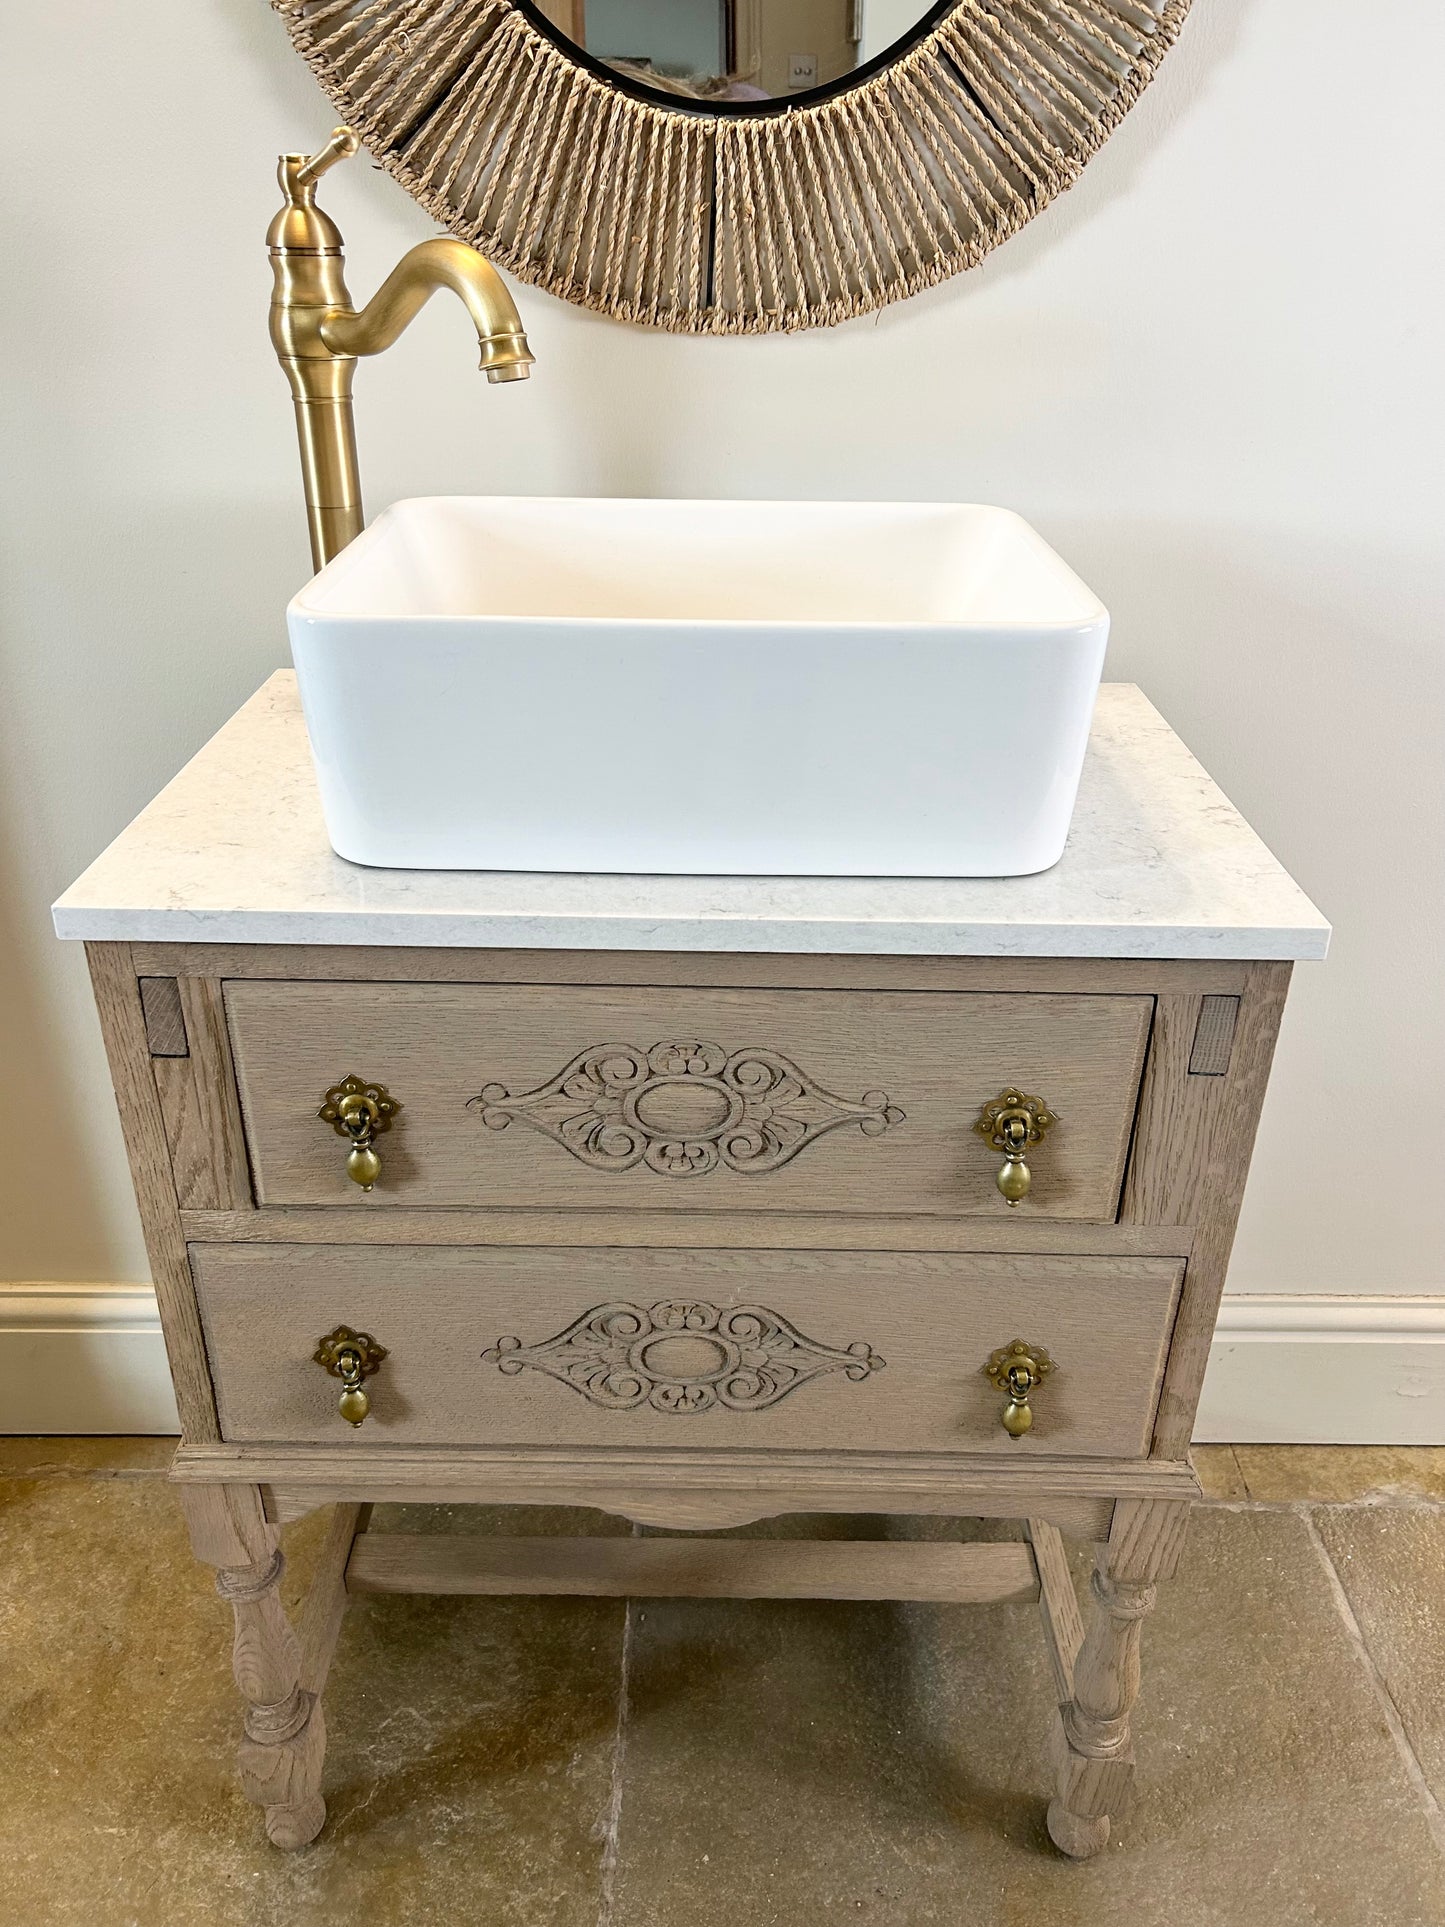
(317, 334)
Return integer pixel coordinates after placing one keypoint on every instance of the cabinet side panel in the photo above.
(122, 1022)
(1191, 1159)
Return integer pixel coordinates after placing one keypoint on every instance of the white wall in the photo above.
(1211, 375)
(881, 22)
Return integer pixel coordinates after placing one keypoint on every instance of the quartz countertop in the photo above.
(1159, 864)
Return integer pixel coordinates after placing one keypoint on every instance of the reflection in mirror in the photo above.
(736, 51)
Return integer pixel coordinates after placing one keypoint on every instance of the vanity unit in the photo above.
(698, 1200)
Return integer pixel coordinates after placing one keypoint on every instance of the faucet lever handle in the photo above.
(342, 145)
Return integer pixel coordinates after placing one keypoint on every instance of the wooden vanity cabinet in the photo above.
(697, 1239)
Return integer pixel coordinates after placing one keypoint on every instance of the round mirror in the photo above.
(732, 55)
(734, 166)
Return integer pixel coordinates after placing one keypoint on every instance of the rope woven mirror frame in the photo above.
(711, 216)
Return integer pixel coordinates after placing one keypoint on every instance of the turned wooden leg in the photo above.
(1093, 1746)
(284, 1735)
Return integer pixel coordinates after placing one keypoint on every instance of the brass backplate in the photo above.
(357, 1094)
(362, 1347)
(1008, 1358)
(1014, 1106)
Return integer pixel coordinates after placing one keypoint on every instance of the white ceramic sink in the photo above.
(744, 688)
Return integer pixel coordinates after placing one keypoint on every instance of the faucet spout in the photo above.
(412, 282)
(318, 334)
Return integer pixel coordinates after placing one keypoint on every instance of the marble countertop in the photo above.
(1159, 864)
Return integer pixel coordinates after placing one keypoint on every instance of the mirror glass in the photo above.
(737, 53)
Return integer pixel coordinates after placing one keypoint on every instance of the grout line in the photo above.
(112, 1473)
(1243, 1475)
(1434, 1817)
(612, 1824)
(1365, 1502)
(1239, 1471)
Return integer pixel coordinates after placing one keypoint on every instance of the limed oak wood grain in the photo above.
(122, 1023)
(932, 1319)
(738, 970)
(936, 1058)
(1214, 1036)
(896, 1240)
(164, 1020)
(283, 1739)
(1191, 1159)
(732, 1230)
(961, 1575)
(675, 1508)
(1093, 1741)
(201, 1108)
(1063, 1624)
(670, 1487)
(325, 1605)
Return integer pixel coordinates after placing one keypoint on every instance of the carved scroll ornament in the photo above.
(683, 1355)
(682, 1108)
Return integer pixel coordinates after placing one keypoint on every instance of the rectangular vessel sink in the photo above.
(693, 687)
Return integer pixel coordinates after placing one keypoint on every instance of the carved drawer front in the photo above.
(668, 1099)
(791, 1350)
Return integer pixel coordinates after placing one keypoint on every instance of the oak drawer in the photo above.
(800, 1350)
(652, 1098)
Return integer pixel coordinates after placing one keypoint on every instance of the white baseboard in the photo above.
(83, 1358)
(1321, 1369)
(1290, 1369)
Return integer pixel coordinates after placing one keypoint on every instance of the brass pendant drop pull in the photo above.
(1013, 1123)
(359, 1112)
(351, 1357)
(1017, 1369)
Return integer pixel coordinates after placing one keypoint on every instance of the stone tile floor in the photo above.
(585, 1763)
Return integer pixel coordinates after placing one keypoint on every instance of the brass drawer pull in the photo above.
(1017, 1369)
(1013, 1123)
(351, 1357)
(359, 1112)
